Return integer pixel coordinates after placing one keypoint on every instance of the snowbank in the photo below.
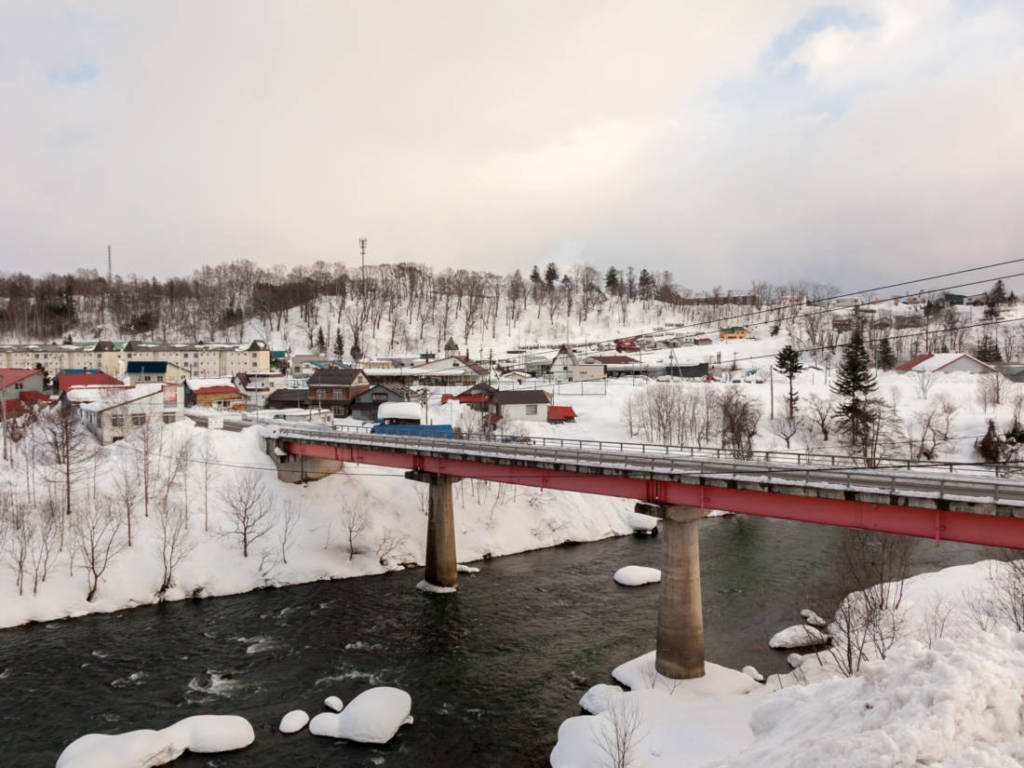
(637, 575)
(334, 704)
(372, 717)
(798, 636)
(640, 522)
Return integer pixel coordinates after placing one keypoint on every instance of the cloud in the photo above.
(83, 72)
(726, 142)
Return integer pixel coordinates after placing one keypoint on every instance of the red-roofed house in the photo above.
(220, 396)
(561, 413)
(944, 362)
(66, 381)
(18, 388)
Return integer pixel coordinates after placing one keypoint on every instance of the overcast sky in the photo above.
(855, 143)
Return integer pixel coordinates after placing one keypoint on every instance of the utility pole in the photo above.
(110, 268)
(362, 255)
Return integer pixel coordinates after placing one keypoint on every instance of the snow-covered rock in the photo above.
(217, 733)
(751, 671)
(333, 703)
(639, 673)
(798, 636)
(293, 722)
(372, 717)
(641, 522)
(144, 748)
(467, 568)
(812, 618)
(796, 660)
(599, 697)
(134, 749)
(637, 575)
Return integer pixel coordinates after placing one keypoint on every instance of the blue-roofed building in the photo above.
(155, 370)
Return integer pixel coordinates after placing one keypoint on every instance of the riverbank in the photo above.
(943, 689)
(362, 521)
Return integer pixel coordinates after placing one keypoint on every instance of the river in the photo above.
(492, 670)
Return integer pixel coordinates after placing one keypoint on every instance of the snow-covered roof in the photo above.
(86, 394)
(400, 411)
(195, 384)
(931, 363)
(122, 396)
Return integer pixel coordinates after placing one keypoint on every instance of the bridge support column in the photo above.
(680, 653)
(441, 568)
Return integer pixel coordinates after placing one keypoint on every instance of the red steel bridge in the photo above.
(969, 503)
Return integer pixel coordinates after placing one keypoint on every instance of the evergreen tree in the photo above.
(535, 276)
(856, 414)
(886, 358)
(997, 294)
(787, 362)
(988, 350)
(339, 344)
(321, 341)
(646, 285)
(611, 281)
(551, 276)
(355, 352)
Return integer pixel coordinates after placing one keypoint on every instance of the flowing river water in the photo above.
(492, 670)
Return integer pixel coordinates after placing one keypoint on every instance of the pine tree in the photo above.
(787, 362)
(339, 344)
(321, 341)
(646, 285)
(551, 276)
(886, 358)
(535, 276)
(997, 294)
(854, 383)
(988, 350)
(355, 352)
(611, 281)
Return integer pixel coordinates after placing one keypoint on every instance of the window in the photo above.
(169, 418)
(117, 421)
(380, 397)
(138, 419)
(531, 409)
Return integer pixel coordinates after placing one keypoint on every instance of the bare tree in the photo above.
(289, 519)
(924, 381)
(786, 427)
(68, 443)
(740, 417)
(249, 510)
(148, 443)
(207, 458)
(620, 738)
(992, 389)
(126, 490)
(21, 534)
(820, 413)
(97, 539)
(353, 519)
(389, 543)
(44, 543)
(173, 541)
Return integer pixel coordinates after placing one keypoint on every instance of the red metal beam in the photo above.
(909, 521)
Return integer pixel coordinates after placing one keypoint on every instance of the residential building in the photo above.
(287, 397)
(129, 409)
(112, 357)
(257, 387)
(736, 332)
(336, 389)
(19, 389)
(66, 381)
(944, 362)
(520, 405)
(365, 404)
(447, 370)
(217, 393)
(160, 371)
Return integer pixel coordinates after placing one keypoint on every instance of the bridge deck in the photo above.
(975, 508)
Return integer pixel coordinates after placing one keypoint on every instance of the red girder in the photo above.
(910, 521)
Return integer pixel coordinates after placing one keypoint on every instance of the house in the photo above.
(477, 397)
(451, 347)
(19, 389)
(126, 410)
(735, 332)
(566, 366)
(257, 387)
(690, 371)
(611, 360)
(365, 404)
(305, 365)
(563, 362)
(448, 370)
(287, 397)
(337, 388)
(214, 393)
(846, 302)
(520, 405)
(944, 362)
(142, 371)
(65, 381)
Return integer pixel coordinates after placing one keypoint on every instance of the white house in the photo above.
(566, 366)
(126, 410)
(945, 362)
(520, 405)
(257, 387)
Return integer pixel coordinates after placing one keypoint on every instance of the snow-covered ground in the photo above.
(386, 512)
(950, 692)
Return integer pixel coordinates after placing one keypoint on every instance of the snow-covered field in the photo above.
(949, 693)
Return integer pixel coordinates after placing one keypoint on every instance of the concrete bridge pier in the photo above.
(441, 570)
(680, 653)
